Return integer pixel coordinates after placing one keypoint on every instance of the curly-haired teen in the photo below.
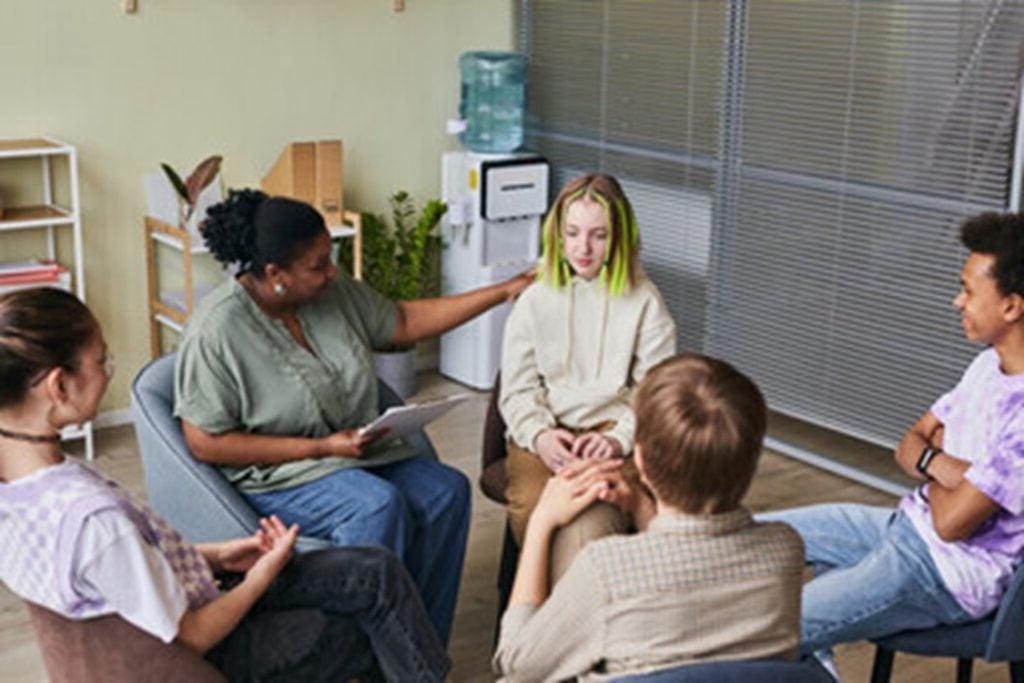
(76, 543)
(275, 377)
(945, 555)
(576, 344)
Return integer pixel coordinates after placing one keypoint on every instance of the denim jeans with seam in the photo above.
(417, 508)
(874, 575)
(333, 615)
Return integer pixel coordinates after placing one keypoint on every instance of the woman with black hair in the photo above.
(275, 376)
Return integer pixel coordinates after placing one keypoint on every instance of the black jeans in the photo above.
(332, 615)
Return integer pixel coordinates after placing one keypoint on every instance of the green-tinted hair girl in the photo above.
(620, 262)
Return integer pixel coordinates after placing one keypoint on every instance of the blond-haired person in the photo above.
(577, 342)
(702, 582)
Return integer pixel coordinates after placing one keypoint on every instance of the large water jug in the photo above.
(493, 99)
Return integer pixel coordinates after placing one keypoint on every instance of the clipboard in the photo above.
(408, 419)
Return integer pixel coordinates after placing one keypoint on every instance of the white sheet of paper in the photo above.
(404, 420)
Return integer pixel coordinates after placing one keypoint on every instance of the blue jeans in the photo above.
(874, 575)
(417, 508)
(332, 615)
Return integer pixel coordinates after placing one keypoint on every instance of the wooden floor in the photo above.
(780, 483)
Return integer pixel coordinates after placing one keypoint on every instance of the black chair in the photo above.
(493, 482)
(760, 670)
(996, 638)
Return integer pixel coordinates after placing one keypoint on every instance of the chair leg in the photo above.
(883, 667)
(1016, 671)
(506, 575)
(963, 669)
(881, 670)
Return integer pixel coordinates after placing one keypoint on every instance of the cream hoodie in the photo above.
(572, 356)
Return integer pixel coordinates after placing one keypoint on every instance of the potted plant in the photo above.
(401, 262)
(189, 190)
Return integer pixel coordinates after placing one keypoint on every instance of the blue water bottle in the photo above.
(493, 100)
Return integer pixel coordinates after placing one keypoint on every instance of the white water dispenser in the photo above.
(491, 232)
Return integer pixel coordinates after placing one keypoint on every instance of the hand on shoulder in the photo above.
(515, 285)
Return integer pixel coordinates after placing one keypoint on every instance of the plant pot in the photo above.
(398, 370)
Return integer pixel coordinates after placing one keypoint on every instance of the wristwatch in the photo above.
(927, 455)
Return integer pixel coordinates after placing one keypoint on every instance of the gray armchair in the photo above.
(193, 496)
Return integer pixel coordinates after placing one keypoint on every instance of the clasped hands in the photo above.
(560, 447)
(577, 486)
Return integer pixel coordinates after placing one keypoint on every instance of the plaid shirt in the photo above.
(689, 589)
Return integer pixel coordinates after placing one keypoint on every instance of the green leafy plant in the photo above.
(400, 261)
(189, 189)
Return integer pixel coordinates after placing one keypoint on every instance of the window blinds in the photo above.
(863, 134)
(799, 170)
(631, 88)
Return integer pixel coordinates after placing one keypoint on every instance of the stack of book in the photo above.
(35, 273)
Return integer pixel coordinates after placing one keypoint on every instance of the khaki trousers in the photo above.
(527, 476)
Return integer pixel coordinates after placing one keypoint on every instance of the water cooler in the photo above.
(490, 233)
(496, 198)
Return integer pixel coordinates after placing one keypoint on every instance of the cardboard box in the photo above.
(310, 172)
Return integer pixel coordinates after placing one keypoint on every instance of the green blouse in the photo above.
(241, 370)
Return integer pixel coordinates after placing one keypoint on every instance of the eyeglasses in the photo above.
(109, 365)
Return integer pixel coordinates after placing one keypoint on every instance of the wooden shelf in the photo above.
(176, 243)
(341, 231)
(162, 319)
(31, 147)
(19, 217)
(174, 299)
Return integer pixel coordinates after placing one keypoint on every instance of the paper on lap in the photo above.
(407, 419)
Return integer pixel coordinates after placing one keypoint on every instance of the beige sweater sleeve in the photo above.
(523, 402)
(561, 639)
(656, 341)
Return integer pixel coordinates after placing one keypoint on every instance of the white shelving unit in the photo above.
(49, 215)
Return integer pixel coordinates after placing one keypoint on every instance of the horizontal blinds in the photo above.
(630, 88)
(799, 170)
(863, 134)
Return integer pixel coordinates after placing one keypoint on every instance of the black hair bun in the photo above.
(229, 231)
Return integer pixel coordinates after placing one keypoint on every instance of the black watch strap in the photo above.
(927, 455)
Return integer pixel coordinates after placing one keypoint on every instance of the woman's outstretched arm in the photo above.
(423, 318)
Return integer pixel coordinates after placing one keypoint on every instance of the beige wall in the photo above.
(185, 78)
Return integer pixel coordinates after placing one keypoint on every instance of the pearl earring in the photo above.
(279, 289)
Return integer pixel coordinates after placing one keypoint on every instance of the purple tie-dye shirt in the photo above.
(983, 418)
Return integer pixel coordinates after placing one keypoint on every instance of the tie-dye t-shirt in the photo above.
(984, 424)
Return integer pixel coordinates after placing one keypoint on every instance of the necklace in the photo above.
(33, 438)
